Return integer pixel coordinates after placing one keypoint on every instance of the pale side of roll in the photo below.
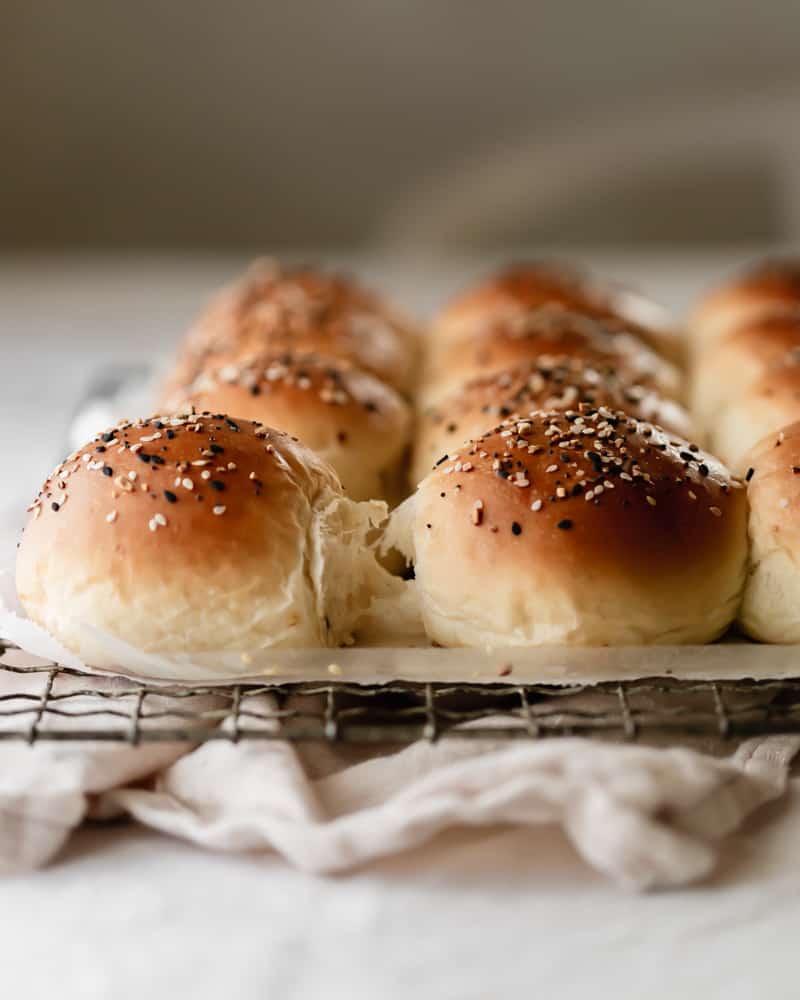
(558, 384)
(771, 605)
(590, 529)
(350, 418)
(188, 535)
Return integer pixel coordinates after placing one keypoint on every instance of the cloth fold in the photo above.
(645, 816)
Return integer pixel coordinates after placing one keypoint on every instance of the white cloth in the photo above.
(644, 816)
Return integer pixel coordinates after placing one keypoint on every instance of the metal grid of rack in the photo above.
(47, 701)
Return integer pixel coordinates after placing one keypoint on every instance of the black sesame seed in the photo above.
(516, 528)
(170, 434)
(107, 470)
(255, 390)
(232, 424)
(702, 469)
(109, 436)
(370, 407)
(216, 448)
(101, 448)
(751, 472)
(217, 484)
(687, 456)
(565, 525)
(502, 473)
(157, 460)
(170, 497)
(439, 461)
(143, 457)
(55, 506)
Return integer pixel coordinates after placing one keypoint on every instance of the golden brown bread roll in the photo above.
(541, 334)
(771, 605)
(349, 418)
(298, 309)
(533, 284)
(557, 384)
(739, 358)
(765, 405)
(579, 529)
(766, 288)
(185, 535)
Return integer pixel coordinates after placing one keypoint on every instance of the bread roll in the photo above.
(577, 529)
(768, 403)
(186, 535)
(739, 358)
(766, 288)
(351, 419)
(539, 335)
(530, 285)
(300, 310)
(771, 605)
(560, 384)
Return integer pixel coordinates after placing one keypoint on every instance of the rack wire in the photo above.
(50, 702)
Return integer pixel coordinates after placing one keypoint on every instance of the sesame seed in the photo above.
(516, 528)
(651, 501)
(716, 511)
(205, 474)
(783, 503)
(565, 525)
(160, 520)
(219, 509)
(170, 497)
(187, 484)
(111, 517)
(536, 505)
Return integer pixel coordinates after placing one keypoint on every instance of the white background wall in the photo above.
(201, 123)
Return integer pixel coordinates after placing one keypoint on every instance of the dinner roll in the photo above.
(532, 284)
(351, 419)
(771, 605)
(557, 384)
(298, 309)
(586, 528)
(738, 359)
(768, 287)
(538, 334)
(185, 535)
(769, 402)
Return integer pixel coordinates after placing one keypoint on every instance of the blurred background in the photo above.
(436, 123)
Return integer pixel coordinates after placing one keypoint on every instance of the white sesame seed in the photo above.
(132, 476)
(187, 484)
(152, 524)
(716, 511)
(783, 503)
(111, 517)
(220, 509)
(536, 505)
(551, 468)
(86, 458)
(651, 501)
(205, 474)
(160, 519)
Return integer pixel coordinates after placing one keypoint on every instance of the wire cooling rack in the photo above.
(47, 701)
